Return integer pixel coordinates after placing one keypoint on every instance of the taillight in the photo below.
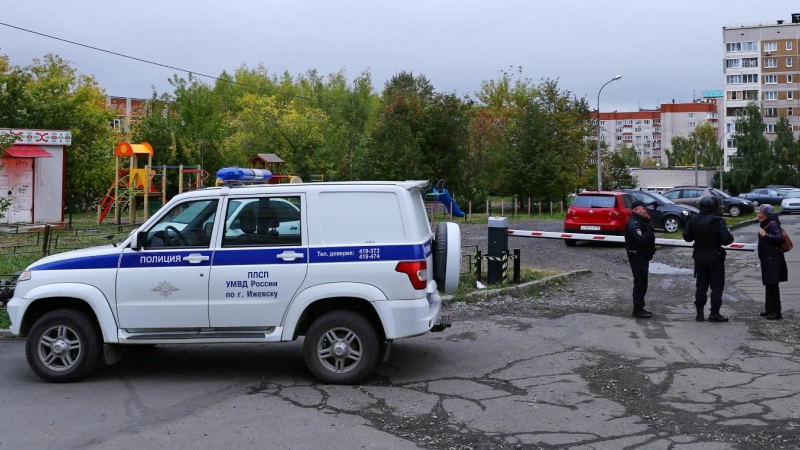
(417, 272)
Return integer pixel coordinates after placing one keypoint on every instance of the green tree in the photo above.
(50, 94)
(682, 152)
(628, 155)
(785, 162)
(753, 153)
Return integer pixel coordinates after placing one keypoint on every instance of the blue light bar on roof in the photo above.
(229, 174)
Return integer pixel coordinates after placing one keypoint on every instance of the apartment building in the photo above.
(128, 111)
(650, 131)
(761, 65)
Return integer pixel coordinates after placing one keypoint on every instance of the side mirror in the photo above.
(139, 240)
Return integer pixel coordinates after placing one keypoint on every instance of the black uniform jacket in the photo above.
(640, 239)
(709, 232)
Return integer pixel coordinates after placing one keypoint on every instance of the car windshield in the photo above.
(720, 193)
(188, 214)
(793, 194)
(660, 198)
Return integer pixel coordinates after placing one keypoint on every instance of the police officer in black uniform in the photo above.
(709, 232)
(640, 243)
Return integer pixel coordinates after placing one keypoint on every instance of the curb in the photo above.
(524, 287)
(6, 334)
(744, 223)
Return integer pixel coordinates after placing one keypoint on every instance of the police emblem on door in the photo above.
(165, 288)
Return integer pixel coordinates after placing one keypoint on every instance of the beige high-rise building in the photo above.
(761, 64)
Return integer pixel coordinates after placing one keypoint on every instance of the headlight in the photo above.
(24, 276)
(685, 213)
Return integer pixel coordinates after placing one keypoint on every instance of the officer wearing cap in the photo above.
(640, 244)
(709, 232)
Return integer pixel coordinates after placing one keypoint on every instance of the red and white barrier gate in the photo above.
(621, 239)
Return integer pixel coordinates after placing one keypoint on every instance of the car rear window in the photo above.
(595, 201)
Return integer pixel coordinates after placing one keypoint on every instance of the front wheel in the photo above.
(734, 211)
(64, 346)
(671, 224)
(341, 347)
(570, 242)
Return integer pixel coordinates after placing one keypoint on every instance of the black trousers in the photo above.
(641, 271)
(710, 271)
(773, 298)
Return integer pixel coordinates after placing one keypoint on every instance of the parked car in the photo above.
(791, 202)
(763, 195)
(784, 190)
(664, 213)
(598, 212)
(691, 195)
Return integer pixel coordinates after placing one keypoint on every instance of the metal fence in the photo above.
(48, 240)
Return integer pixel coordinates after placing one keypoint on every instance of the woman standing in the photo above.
(773, 263)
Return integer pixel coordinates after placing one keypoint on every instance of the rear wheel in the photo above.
(341, 347)
(671, 224)
(570, 242)
(734, 211)
(64, 346)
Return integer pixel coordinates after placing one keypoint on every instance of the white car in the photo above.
(791, 201)
(350, 266)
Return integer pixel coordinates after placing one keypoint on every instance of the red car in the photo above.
(598, 212)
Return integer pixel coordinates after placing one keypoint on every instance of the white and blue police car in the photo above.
(351, 266)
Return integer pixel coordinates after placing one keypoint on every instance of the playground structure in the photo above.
(132, 182)
(439, 196)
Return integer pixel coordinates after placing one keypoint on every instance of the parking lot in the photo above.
(565, 367)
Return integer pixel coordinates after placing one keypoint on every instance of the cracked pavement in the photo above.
(561, 367)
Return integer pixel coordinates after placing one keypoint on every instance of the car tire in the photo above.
(734, 211)
(570, 242)
(341, 347)
(447, 257)
(64, 346)
(671, 224)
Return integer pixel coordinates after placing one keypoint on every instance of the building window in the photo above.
(656, 121)
(647, 122)
(789, 62)
(619, 138)
(788, 45)
(731, 143)
(657, 130)
(771, 112)
(770, 46)
(691, 115)
(769, 128)
(770, 79)
(789, 78)
(789, 111)
(770, 62)
(629, 122)
(647, 138)
(734, 95)
(771, 95)
(750, 46)
(638, 122)
(602, 123)
(749, 62)
(789, 95)
(731, 127)
(733, 47)
(692, 124)
(733, 63)
(750, 95)
(750, 78)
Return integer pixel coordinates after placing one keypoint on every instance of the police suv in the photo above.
(351, 266)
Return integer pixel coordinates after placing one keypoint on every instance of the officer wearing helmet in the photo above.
(709, 232)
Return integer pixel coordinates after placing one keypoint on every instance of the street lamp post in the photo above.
(722, 162)
(696, 150)
(599, 159)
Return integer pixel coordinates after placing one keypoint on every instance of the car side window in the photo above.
(186, 225)
(692, 193)
(672, 195)
(263, 222)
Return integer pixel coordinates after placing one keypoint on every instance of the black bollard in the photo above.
(498, 245)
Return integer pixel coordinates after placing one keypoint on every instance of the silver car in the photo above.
(791, 202)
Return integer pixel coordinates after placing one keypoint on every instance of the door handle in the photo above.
(195, 258)
(290, 255)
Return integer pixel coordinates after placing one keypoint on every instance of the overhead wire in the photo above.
(191, 72)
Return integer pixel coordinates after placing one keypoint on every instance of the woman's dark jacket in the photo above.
(773, 263)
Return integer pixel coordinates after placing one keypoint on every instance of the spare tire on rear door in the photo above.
(447, 257)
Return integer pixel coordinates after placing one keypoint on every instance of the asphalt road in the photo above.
(564, 367)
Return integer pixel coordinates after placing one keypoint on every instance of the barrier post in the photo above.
(529, 206)
(517, 265)
(478, 265)
(498, 245)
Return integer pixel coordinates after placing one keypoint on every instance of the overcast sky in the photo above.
(664, 50)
